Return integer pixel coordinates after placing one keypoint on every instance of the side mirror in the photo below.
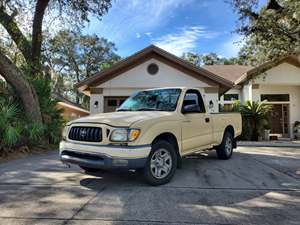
(194, 108)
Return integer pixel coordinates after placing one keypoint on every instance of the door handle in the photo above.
(186, 121)
(207, 120)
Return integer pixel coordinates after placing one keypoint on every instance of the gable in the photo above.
(153, 52)
(167, 76)
(282, 74)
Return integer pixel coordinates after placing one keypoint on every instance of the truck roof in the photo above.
(179, 87)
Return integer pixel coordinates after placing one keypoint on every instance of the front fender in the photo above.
(150, 130)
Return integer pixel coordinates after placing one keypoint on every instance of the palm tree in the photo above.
(257, 115)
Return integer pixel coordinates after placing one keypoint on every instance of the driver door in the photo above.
(196, 126)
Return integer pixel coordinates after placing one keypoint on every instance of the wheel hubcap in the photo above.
(228, 145)
(161, 163)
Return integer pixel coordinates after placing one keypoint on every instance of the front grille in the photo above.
(89, 134)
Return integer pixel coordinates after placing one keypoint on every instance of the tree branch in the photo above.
(37, 38)
(15, 33)
(22, 87)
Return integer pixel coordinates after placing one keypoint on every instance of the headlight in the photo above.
(65, 132)
(124, 135)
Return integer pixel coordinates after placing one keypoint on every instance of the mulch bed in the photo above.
(24, 151)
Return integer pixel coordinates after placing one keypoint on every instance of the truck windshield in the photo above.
(152, 100)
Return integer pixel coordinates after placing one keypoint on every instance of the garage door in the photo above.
(112, 103)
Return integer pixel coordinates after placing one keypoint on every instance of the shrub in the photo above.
(255, 118)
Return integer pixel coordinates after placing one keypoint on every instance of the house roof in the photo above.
(291, 59)
(228, 72)
(67, 103)
(161, 55)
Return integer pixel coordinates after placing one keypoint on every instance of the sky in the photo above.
(178, 26)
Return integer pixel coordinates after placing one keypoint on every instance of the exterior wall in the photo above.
(283, 74)
(167, 76)
(222, 102)
(211, 97)
(138, 79)
(282, 79)
(294, 103)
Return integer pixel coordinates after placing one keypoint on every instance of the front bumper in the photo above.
(104, 157)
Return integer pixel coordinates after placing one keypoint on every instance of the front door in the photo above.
(112, 103)
(279, 119)
(196, 127)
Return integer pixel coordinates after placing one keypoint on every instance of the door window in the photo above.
(193, 97)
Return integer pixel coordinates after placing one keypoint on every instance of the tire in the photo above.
(161, 164)
(89, 170)
(225, 149)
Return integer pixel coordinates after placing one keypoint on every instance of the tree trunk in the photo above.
(15, 33)
(22, 88)
(37, 37)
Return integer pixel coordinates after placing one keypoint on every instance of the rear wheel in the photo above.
(161, 164)
(225, 149)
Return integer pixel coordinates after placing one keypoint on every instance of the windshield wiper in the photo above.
(123, 110)
(148, 109)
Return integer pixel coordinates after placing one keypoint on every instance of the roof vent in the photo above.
(152, 69)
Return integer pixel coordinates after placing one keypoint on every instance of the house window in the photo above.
(231, 97)
(276, 97)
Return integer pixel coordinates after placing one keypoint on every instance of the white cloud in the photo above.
(186, 39)
(231, 47)
(149, 34)
(138, 35)
(126, 18)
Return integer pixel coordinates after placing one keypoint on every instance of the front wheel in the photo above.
(225, 149)
(161, 163)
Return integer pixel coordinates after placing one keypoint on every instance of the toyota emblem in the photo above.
(82, 133)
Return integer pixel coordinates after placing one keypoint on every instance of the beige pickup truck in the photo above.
(151, 132)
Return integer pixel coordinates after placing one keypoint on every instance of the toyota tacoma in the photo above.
(151, 132)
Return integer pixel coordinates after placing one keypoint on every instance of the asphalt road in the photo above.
(256, 186)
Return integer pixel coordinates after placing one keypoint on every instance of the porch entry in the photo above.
(112, 103)
(279, 120)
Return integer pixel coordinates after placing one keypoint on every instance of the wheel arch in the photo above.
(171, 138)
(230, 129)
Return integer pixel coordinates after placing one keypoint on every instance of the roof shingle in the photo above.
(228, 72)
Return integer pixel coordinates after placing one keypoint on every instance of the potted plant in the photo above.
(297, 130)
(267, 130)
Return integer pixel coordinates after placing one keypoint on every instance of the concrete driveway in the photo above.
(257, 186)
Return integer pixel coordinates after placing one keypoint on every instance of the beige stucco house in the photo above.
(277, 82)
(151, 67)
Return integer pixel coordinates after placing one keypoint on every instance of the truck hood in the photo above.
(121, 119)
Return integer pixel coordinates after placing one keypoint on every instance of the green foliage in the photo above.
(14, 127)
(271, 32)
(255, 118)
(52, 118)
(12, 134)
(73, 57)
(35, 131)
(236, 107)
(210, 59)
(9, 125)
